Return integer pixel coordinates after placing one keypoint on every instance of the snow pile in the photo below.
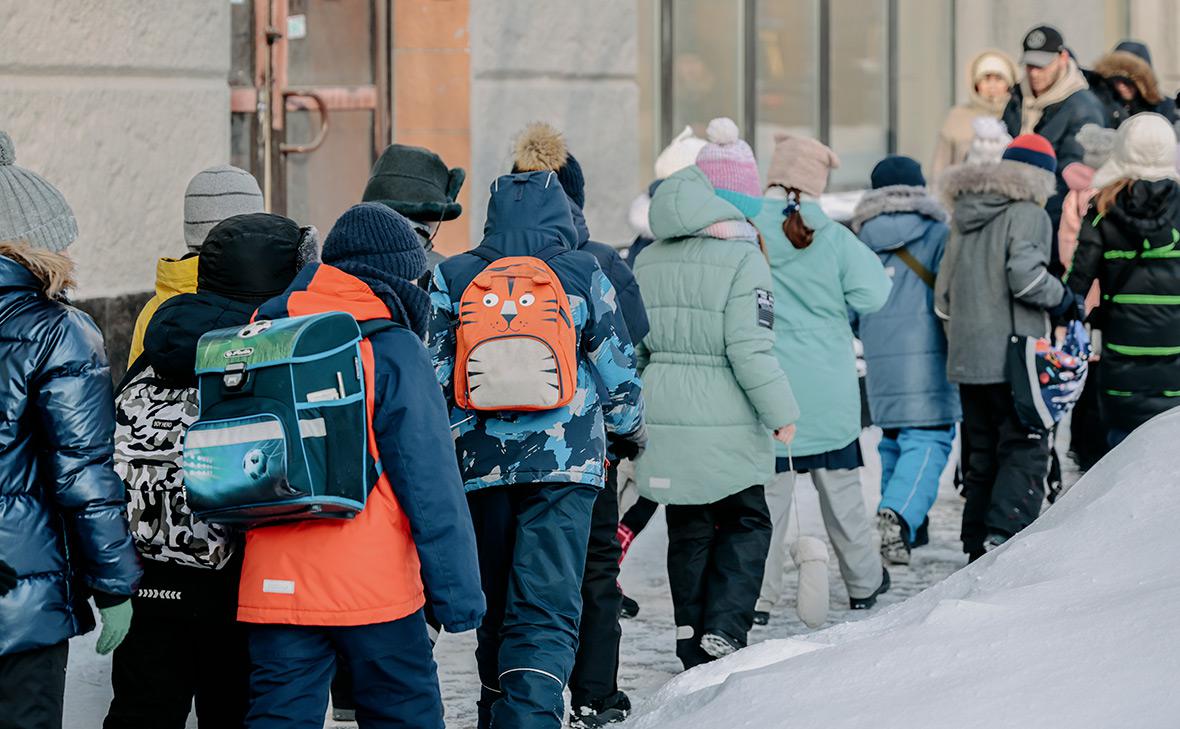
(1073, 624)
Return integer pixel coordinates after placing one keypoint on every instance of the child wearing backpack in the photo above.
(191, 568)
(354, 587)
(905, 348)
(533, 353)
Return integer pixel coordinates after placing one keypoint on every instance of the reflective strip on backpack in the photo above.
(207, 437)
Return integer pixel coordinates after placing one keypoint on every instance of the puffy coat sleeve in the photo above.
(414, 440)
(75, 406)
(1087, 257)
(749, 344)
(630, 299)
(440, 333)
(1030, 240)
(866, 285)
(612, 356)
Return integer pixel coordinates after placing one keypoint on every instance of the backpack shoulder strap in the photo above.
(916, 266)
(373, 326)
(545, 255)
(487, 253)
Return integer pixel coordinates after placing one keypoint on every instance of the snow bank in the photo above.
(1073, 624)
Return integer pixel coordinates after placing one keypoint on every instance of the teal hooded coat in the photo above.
(714, 389)
(813, 289)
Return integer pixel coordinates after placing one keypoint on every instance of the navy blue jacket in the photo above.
(620, 276)
(63, 521)
(904, 344)
(527, 213)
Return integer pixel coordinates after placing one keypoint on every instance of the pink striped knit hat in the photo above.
(729, 164)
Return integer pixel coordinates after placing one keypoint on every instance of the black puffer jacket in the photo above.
(1134, 253)
(62, 521)
(245, 260)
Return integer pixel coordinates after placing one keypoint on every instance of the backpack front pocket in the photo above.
(234, 462)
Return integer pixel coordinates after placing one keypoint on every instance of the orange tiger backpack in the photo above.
(516, 347)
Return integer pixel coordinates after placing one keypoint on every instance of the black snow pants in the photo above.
(1005, 480)
(596, 666)
(33, 687)
(716, 557)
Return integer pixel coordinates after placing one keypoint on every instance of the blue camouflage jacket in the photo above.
(527, 213)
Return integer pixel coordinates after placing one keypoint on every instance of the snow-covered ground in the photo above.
(1071, 625)
(649, 661)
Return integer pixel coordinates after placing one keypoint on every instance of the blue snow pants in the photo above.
(532, 552)
(395, 680)
(912, 460)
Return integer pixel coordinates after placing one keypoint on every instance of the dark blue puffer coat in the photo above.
(63, 521)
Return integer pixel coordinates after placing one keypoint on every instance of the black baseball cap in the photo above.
(1042, 46)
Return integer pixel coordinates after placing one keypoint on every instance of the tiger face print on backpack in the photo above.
(151, 418)
(516, 345)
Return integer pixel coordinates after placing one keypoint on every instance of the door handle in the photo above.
(320, 106)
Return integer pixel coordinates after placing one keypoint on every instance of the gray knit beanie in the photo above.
(214, 195)
(31, 209)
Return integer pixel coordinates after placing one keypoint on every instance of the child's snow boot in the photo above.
(892, 528)
(600, 712)
(719, 645)
(866, 603)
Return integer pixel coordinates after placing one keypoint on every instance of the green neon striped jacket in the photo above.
(1135, 248)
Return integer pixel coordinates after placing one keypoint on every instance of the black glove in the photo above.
(629, 446)
(7, 578)
(1072, 306)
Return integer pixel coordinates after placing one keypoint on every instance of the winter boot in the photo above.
(600, 712)
(761, 617)
(344, 715)
(892, 527)
(866, 603)
(922, 534)
(719, 645)
(628, 608)
(993, 542)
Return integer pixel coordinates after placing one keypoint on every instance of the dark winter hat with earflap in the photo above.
(540, 147)
(251, 257)
(31, 209)
(415, 182)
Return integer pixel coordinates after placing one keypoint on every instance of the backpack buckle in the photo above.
(235, 376)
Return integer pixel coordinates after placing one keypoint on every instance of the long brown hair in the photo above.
(1106, 196)
(794, 228)
(55, 271)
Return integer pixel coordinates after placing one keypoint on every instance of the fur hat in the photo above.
(541, 147)
(1145, 149)
(801, 163)
(415, 182)
(1133, 68)
(990, 140)
(681, 153)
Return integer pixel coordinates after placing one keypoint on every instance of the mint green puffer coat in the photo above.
(714, 389)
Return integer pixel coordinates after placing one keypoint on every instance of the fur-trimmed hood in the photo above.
(896, 199)
(976, 193)
(1127, 65)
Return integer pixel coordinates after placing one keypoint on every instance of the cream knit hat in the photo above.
(801, 163)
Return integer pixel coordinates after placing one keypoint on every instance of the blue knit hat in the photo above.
(897, 169)
(1032, 149)
(376, 236)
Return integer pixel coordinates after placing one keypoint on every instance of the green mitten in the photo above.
(116, 621)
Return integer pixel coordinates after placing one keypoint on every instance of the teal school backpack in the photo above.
(283, 432)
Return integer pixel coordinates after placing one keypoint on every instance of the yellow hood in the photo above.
(175, 277)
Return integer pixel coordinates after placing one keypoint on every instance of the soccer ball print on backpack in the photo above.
(151, 418)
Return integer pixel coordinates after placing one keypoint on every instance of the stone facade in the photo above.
(118, 103)
(572, 64)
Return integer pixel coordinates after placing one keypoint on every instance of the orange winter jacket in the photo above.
(368, 569)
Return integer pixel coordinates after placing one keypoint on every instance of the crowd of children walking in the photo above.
(510, 400)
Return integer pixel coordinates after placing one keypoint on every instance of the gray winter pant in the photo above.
(842, 505)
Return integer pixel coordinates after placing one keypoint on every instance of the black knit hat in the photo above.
(897, 169)
(416, 183)
(378, 237)
(572, 181)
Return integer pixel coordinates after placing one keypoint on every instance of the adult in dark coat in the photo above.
(1054, 101)
(1125, 83)
(63, 529)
